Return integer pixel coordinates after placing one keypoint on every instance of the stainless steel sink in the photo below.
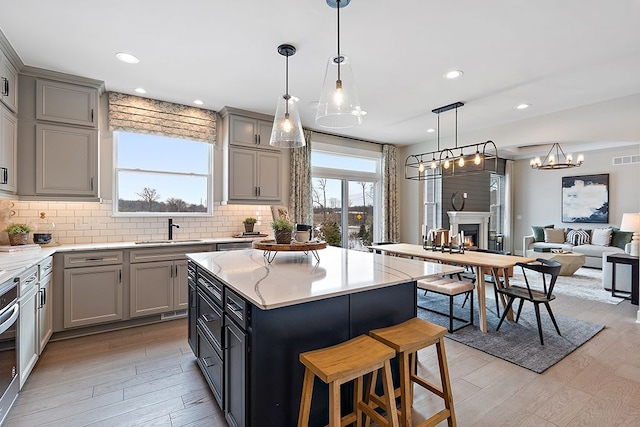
(165, 242)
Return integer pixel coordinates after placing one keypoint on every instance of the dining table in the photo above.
(499, 265)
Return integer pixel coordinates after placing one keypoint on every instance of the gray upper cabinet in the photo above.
(253, 171)
(58, 147)
(8, 83)
(248, 132)
(8, 146)
(58, 134)
(255, 175)
(66, 103)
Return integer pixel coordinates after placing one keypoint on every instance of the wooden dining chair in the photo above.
(549, 271)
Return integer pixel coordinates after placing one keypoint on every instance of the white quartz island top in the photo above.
(294, 278)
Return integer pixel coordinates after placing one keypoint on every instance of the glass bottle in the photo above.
(44, 231)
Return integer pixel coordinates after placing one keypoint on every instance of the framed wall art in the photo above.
(585, 198)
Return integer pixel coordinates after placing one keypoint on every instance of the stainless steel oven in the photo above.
(9, 383)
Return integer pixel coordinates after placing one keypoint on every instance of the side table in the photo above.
(635, 273)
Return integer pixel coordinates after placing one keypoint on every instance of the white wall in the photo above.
(538, 194)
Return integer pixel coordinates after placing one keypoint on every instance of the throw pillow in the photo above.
(538, 232)
(554, 235)
(620, 238)
(601, 237)
(578, 237)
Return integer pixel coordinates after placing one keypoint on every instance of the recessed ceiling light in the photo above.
(127, 57)
(523, 106)
(140, 90)
(431, 130)
(453, 74)
(198, 102)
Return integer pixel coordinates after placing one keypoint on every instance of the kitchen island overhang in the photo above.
(294, 278)
(289, 306)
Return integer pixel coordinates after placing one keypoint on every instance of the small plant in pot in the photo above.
(249, 223)
(18, 234)
(282, 229)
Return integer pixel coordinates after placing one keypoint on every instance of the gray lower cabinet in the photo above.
(93, 288)
(158, 287)
(158, 279)
(45, 303)
(35, 324)
(28, 339)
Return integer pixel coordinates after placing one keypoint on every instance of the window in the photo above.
(346, 194)
(155, 175)
(496, 222)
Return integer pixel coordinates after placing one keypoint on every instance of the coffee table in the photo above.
(570, 261)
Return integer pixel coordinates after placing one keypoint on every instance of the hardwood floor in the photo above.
(147, 376)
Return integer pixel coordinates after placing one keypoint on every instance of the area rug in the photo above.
(585, 283)
(517, 343)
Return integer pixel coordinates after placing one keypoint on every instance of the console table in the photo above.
(633, 262)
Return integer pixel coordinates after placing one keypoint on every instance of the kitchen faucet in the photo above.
(171, 225)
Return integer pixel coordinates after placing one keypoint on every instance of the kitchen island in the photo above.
(249, 321)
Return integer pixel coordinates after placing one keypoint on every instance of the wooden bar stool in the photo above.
(407, 338)
(336, 365)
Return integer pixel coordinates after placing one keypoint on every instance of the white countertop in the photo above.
(14, 263)
(294, 278)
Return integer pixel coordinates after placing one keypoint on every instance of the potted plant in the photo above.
(248, 224)
(282, 228)
(18, 234)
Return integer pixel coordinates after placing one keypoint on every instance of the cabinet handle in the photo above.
(258, 191)
(258, 139)
(94, 259)
(91, 184)
(255, 139)
(92, 115)
(207, 363)
(209, 317)
(44, 296)
(5, 176)
(5, 86)
(119, 276)
(41, 300)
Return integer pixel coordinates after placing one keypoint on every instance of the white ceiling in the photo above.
(554, 55)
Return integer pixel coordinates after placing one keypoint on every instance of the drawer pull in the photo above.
(209, 362)
(209, 317)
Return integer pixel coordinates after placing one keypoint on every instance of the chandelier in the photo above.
(556, 159)
(472, 158)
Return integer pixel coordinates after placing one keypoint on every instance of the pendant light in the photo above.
(339, 105)
(446, 162)
(287, 129)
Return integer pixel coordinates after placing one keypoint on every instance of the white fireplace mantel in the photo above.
(481, 218)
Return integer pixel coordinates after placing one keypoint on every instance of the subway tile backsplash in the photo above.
(92, 222)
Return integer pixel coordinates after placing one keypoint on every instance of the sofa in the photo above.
(592, 243)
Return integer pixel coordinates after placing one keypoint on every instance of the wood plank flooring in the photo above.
(147, 376)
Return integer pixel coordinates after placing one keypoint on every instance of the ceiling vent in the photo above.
(626, 160)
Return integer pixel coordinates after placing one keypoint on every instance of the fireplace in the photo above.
(476, 219)
(471, 232)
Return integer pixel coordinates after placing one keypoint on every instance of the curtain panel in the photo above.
(390, 217)
(142, 115)
(300, 205)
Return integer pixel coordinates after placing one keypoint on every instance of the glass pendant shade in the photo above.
(339, 105)
(287, 128)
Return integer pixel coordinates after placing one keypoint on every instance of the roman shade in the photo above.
(130, 113)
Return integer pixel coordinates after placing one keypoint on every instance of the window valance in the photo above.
(142, 115)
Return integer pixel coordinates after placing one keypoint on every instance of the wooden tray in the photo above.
(271, 245)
